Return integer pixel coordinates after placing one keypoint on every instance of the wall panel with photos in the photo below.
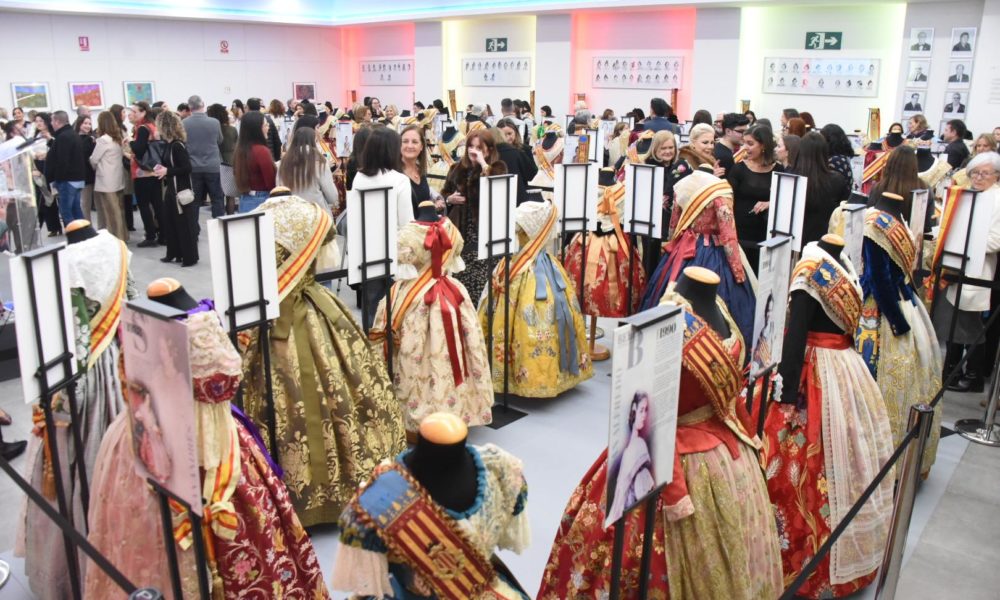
(812, 76)
(496, 70)
(937, 69)
(386, 71)
(638, 72)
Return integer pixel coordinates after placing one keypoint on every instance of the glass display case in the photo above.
(18, 210)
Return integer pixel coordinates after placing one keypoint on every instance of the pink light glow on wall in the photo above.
(361, 42)
(598, 32)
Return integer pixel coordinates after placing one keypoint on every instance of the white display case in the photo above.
(18, 210)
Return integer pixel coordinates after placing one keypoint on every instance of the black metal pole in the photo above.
(199, 553)
(616, 559)
(364, 266)
(81, 466)
(64, 509)
(647, 545)
(166, 523)
(388, 295)
(506, 295)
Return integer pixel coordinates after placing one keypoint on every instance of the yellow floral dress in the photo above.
(439, 356)
(548, 341)
(336, 413)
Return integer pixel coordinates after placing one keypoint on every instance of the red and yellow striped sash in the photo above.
(527, 254)
(445, 154)
(292, 270)
(891, 234)
(544, 162)
(104, 325)
(874, 168)
(952, 198)
(700, 202)
(740, 155)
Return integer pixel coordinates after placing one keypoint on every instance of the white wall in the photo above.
(463, 37)
(372, 43)
(428, 56)
(181, 57)
(984, 98)
(717, 35)
(870, 31)
(554, 54)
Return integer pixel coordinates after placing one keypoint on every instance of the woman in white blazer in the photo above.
(109, 176)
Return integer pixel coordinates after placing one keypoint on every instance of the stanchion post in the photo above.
(984, 432)
(921, 418)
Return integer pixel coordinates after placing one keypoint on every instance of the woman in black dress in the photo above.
(825, 189)
(414, 152)
(751, 183)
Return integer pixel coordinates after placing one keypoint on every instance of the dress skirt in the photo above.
(606, 289)
(726, 549)
(820, 456)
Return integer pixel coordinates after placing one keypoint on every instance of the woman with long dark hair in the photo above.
(825, 188)
(304, 170)
(180, 221)
(109, 174)
(148, 191)
(751, 183)
(839, 149)
(84, 127)
(253, 166)
(413, 148)
(900, 176)
(48, 210)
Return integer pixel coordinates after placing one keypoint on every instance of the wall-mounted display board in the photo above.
(851, 77)
(493, 70)
(387, 71)
(638, 72)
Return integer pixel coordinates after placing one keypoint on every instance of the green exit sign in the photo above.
(496, 44)
(824, 40)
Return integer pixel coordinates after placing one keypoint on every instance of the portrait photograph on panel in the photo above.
(917, 73)
(921, 41)
(963, 41)
(955, 104)
(959, 74)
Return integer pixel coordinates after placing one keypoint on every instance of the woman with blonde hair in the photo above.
(701, 149)
(109, 176)
(180, 212)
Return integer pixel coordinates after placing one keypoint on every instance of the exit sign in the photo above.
(824, 40)
(496, 44)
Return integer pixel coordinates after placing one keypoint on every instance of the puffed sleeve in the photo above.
(362, 563)
(509, 471)
(728, 238)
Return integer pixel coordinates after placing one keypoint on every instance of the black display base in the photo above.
(505, 416)
(11, 450)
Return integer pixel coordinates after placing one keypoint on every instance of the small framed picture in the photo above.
(917, 73)
(86, 93)
(139, 91)
(959, 74)
(963, 41)
(304, 91)
(955, 104)
(31, 96)
(921, 41)
(913, 102)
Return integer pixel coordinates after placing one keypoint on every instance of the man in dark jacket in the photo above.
(273, 138)
(65, 167)
(658, 120)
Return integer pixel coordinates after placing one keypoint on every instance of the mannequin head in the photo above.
(79, 230)
(169, 291)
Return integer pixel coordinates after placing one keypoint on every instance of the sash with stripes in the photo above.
(874, 168)
(104, 324)
(633, 149)
(701, 201)
(291, 271)
(952, 198)
(893, 236)
(527, 254)
(740, 155)
(445, 153)
(829, 285)
(609, 206)
(544, 162)
(419, 533)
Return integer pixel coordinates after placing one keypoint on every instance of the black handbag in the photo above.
(155, 151)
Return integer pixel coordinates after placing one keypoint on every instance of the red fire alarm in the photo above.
(223, 47)
(84, 42)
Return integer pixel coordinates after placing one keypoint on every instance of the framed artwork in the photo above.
(496, 71)
(807, 75)
(386, 72)
(917, 73)
(31, 96)
(638, 72)
(304, 91)
(86, 93)
(136, 91)
(963, 41)
(959, 74)
(955, 104)
(921, 41)
(913, 102)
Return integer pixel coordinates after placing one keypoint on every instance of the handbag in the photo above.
(184, 197)
(155, 151)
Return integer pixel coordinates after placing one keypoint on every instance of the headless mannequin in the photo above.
(549, 140)
(169, 291)
(427, 212)
(642, 146)
(890, 203)
(699, 287)
(805, 314)
(80, 230)
(606, 177)
(449, 134)
(442, 464)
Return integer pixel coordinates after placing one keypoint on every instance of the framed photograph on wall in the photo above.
(638, 72)
(496, 71)
(913, 102)
(86, 93)
(917, 73)
(136, 91)
(921, 41)
(304, 90)
(955, 105)
(807, 75)
(386, 71)
(959, 74)
(31, 96)
(963, 41)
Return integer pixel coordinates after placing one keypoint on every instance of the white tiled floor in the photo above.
(560, 438)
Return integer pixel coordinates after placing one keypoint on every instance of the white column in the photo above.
(984, 97)
(716, 61)
(428, 62)
(554, 63)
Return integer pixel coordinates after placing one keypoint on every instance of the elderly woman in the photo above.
(983, 172)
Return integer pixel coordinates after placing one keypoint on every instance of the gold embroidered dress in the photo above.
(337, 415)
(548, 340)
(547, 159)
(439, 357)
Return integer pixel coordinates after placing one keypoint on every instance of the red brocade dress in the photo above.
(608, 267)
(714, 534)
(823, 450)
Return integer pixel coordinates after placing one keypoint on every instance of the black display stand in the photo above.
(776, 230)
(640, 321)
(386, 263)
(635, 224)
(962, 279)
(497, 249)
(576, 224)
(262, 322)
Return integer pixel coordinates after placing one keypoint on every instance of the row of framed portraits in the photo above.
(387, 72)
(963, 41)
(918, 73)
(638, 72)
(805, 75)
(38, 95)
(956, 103)
(507, 70)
